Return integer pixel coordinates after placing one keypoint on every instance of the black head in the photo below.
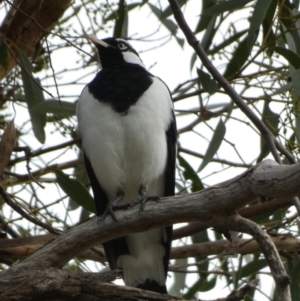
(114, 51)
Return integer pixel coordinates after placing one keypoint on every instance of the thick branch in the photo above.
(55, 284)
(27, 23)
(213, 206)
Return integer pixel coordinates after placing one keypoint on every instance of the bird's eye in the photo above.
(122, 46)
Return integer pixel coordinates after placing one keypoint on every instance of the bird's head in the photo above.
(114, 51)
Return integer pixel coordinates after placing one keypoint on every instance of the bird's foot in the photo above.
(145, 198)
(112, 207)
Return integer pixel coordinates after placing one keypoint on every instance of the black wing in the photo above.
(171, 135)
(116, 247)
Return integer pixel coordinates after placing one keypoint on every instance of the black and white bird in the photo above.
(128, 133)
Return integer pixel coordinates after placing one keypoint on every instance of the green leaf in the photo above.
(168, 11)
(114, 14)
(200, 285)
(168, 23)
(253, 267)
(121, 25)
(197, 238)
(225, 6)
(288, 19)
(295, 76)
(207, 82)
(271, 120)
(179, 278)
(64, 108)
(75, 190)
(204, 20)
(227, 42)
(293, 270)
(289, 55)
(214, 145)
(269, 36)
(260, 9)
(34, 95)
(3, 55)
(193, 60)
(239, 57)
(297, 129)
(209, 34)
(190, 174)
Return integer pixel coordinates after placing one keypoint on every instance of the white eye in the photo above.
(122, 46)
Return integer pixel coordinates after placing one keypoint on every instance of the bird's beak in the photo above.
(96, 42)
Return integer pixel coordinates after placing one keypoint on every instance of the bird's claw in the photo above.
(108, 211)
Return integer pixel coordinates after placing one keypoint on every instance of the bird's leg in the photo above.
(145, 198)
(111, 206)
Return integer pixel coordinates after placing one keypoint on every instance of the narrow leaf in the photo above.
(296, 80)
(204, 20)
(253, 267)
(34, 95)
(239, 57)
(225, 6)
(3, 55)
(260, 9)
(207, 82)
(293, 270)
(289, 55)
(169, 24)
(227, 42)
(7, 143)
(168, 11)
(214, 145)
(289, 20)
(190, 174)
(64, 108)
(121, 26)
(75, 190)
(271, 120)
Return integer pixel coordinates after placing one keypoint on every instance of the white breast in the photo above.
(127, 150)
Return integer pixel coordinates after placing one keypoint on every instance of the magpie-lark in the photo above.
(128, 134)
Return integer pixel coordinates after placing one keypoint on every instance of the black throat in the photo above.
(121, 85)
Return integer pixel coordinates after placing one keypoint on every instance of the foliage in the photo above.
(254, 44)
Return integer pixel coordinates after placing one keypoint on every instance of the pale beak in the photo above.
(96, 42)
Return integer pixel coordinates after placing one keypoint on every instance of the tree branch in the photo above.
(192, 40)
(214, 206)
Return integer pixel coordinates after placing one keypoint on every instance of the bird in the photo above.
(128, 134)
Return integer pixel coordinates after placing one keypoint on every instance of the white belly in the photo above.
(129, 150)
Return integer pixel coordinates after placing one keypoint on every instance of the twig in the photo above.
(28, 155)
(45, 150)
(282, 280)
(41, 172)
(268, 136)
(24, 214)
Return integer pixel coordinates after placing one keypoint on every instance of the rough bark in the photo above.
(26, 24)
(214, 206)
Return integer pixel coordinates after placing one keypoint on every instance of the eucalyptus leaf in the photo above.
(75, 190)
(34, 95)
(208, 83)
(289, 55)
(190, 174)
(64, 108)
(3, 55)
(253, 267)
(214, 144)
(260, 9)
(239, 57)
(225, 6)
